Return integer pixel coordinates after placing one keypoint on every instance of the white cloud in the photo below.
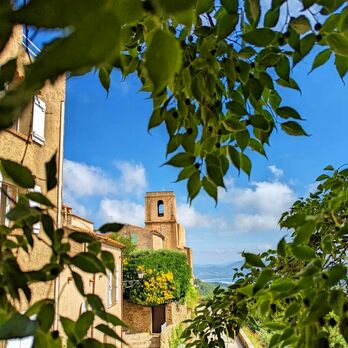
(133, 178)
(78, 208)
(189, 217)
(258, 207)
(124, 211)
(83, 180)
(278, 173)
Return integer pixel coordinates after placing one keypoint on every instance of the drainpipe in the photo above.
(59, 201)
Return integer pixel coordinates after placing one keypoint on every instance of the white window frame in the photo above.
(39, 120)
(117, 282)
(36, 227)
(109, 288)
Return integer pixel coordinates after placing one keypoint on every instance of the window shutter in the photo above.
(109, 289)
(117, 276)
(36, 227)
(39, 115)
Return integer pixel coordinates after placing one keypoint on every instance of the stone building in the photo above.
(151, 326)
(161, 231)
(33, 140)
(36, 136)
(108, 287)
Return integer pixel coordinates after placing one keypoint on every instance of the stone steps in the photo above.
(142, 340)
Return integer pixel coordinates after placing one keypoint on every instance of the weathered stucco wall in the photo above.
(138, 318)
(14, 144)
(71, 302)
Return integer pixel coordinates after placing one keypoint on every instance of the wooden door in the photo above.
(158, 318)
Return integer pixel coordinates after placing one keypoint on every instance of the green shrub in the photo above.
(166, 278)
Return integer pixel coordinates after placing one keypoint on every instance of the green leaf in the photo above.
(69, 328)
(282, 68)
(226, 24)
(51, 173)
(253, 259)
(236, 108)
(255, 11)
(304, 232)
(339, 43)
(83, 323)
(337, 273)
(194, 185)
(329, 167)
(17, 326)
(19, 174)
(39, 198)
(303, 252)
(293, 128)
(214, 173)
(163, 59)
(341, 64)
(245, 164)
(321, 58)
(78, 282)
(181, 160)
(104, 78)
(81, 237)
(288, 112)
(110, 227)
(234, 156)
(281, 247)
(271, 18)
(6, 25)
(108, 331)
(204, 6)
(301, 24)
(7, 72)
(231, 6)
(260, 37)
(242, 139)
(88, 262)
(291, 84)
(108, 260)
(265, 276)
(210, 188)
(173, 7)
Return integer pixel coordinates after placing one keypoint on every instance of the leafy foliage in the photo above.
(130, 246)
(213, 69)
(166, 279)
(16, 284)
(298, 292)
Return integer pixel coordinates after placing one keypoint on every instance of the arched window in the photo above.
(160, 208)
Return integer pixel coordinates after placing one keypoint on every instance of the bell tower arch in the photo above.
(160, 215)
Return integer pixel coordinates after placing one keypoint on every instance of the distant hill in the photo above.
(216, 273)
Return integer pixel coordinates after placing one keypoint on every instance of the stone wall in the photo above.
(138, 318)
(140, 235)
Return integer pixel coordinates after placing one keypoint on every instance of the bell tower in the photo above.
(160, 215)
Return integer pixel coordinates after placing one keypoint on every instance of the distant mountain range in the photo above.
(216, 273)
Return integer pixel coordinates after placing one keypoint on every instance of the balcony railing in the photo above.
(30, 47)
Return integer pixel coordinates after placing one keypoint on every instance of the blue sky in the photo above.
(111, 161)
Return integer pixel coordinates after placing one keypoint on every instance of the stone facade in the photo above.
(70, 302)
(161, 231)
(18, 143)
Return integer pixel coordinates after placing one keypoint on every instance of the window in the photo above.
(8, 197)
(23, 124)
(134, 238)
(36, 227)
(39, 115)
(160, 208)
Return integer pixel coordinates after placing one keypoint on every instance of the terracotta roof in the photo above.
(101, 237)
